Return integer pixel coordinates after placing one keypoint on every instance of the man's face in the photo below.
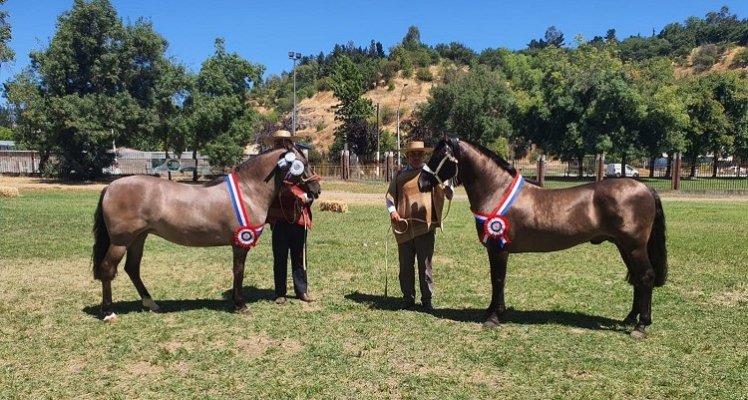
(415, 158)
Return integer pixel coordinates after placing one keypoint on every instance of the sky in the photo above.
(263, 32)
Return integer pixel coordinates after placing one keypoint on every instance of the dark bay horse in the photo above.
(209, 215)
(516, 217)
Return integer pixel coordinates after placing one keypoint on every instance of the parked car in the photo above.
(734, 170)
(614, 170)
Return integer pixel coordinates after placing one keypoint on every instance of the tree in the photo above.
(6, 53)
(664, 123)
(221, 121)
(92, 85)
(348, 87)
(477, 105)
(718, 105)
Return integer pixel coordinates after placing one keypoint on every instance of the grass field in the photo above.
(561, 338)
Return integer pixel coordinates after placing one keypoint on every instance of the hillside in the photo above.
(316, 117)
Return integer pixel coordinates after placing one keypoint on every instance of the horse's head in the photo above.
(293, 169)
(442, 165)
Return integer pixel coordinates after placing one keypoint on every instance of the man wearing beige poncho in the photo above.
(415, 217)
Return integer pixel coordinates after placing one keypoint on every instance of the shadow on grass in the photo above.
(513, 316)
(252, 294)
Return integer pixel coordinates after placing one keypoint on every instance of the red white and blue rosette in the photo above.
(496, 225)
(245, 235)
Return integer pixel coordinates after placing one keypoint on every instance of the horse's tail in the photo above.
(101, 238)
(657, 246)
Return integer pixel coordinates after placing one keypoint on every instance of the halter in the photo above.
(495, 225)
(245, 235)
(448, 157)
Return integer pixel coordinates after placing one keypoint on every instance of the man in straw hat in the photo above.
(290, 216)
(415, 217)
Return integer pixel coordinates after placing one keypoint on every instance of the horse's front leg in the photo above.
(498, 260)
(240, 255)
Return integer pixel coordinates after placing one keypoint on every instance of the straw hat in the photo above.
(416, 145)
(279, 135)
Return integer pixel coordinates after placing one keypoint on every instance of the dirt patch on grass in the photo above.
(141, 368)
(732, 298)
(259, 344)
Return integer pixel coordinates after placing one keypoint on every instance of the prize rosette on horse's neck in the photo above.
(497, 228)
(495, 225)
(245, 235)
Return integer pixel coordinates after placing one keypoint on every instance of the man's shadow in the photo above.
(511, 315)
(251, 294)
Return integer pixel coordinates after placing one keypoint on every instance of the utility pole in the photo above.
(402, 91)
(294, 56)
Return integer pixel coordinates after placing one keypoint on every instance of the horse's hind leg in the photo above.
(108, 270)
(631, 318)
(642, 278)
(132, 267)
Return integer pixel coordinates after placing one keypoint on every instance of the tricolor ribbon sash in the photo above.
(495, 225)
(245, 235)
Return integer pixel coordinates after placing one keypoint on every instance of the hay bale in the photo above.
(6, 191)
(333, 206)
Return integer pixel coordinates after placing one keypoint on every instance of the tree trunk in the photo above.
(693, 167)
(166, 155)
(194, 172)
(624, 160)
(669, 168)
(581, 167)
(714, 165)
(652, 166)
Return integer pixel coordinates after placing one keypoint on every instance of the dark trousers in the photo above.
(288, 238)
(421, 248)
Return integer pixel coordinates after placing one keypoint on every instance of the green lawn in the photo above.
(561, 339)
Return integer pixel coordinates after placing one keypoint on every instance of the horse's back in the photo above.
(137, 204)
(556, 219)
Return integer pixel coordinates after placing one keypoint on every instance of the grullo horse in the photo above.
(513, 216)
(228, 211)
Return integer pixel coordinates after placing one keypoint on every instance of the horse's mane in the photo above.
(502, 163)
(244, 165)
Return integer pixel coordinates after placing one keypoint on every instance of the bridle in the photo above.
(435, 173)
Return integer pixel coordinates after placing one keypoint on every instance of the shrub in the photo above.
(424, 74)
(741, 59)
(387, 114)
(706, 56)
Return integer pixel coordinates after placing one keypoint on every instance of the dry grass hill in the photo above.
(317, 118)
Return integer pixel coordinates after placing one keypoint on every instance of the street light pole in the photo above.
(294, 56)
(402, 91)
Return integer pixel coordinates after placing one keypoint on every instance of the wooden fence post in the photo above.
(675, 179)
(599, 167)
(541, 171)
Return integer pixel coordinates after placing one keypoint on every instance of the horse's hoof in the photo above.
(492, 322)
(243, 310)
(111, 318)
(638, 334)
(151, 305)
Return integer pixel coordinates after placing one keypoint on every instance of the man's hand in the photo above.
(394, 217)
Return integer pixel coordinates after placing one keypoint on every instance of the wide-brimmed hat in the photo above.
(416, 145)
(280, 135)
